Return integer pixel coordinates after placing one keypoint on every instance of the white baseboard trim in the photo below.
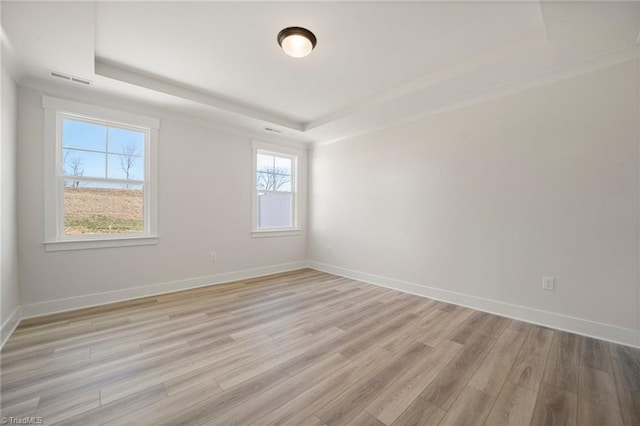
(96, 299)
(624, 336)
(628, 337)
(9, 326)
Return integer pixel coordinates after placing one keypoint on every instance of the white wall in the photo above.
(473, 206)
(204, 205)
(9, 292)
(477, 204)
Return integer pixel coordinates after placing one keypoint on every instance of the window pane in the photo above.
(273, 182)
(274, 210)
(127, 142)
(126, 167)
(282, 183)
(83, 163)
(98, 208)
(265, 163)
(77, 134)
(283, 165)
(263, 180)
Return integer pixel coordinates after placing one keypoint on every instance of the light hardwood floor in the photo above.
(308, 348)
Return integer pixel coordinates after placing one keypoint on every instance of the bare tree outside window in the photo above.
(128, 159)
(275, 183)
(273, 178)
(75, 167)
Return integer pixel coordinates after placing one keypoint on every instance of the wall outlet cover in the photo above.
(548, 283)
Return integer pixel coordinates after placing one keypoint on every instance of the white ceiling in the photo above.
(376, 63)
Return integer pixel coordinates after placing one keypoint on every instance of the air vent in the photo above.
(79, 80)
(269, 129)
(59, 75)
(70, 77)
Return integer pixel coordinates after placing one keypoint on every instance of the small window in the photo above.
(102, 185)
(275, 191)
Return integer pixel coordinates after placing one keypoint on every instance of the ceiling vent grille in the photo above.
(70, 78)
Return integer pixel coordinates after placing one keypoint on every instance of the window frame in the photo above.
(285, 152)
(56, 110)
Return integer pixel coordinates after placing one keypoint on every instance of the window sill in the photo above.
(275, 233)
(99, 243)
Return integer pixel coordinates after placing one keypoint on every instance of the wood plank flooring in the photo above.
(309, 348)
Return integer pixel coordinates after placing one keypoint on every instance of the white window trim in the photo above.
(54, 239)
(296, 229)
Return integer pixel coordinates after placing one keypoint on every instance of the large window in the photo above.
(275, 204)
(100, 190)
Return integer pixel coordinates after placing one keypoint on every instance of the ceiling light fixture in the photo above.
(296, 41)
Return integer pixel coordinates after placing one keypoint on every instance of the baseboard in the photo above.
(10, 325)
(96, 299)
(624, 336)
(628, 337)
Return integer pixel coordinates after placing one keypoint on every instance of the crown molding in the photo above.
(124, 74)
(86, 94)
(608, 59)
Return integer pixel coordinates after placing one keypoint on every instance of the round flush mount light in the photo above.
(296, 41)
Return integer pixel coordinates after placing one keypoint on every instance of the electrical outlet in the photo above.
(213, 257)
(329, 250)
(548, 283)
